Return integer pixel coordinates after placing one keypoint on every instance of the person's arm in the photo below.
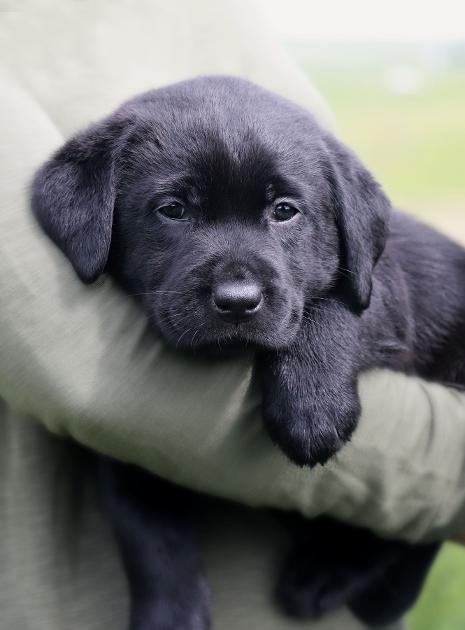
(80, 360)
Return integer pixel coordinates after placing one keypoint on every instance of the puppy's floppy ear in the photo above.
(362, 213)
(73, 195)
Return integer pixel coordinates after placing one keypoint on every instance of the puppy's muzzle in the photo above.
(237, 301)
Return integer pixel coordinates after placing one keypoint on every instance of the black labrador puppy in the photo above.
(241, 223)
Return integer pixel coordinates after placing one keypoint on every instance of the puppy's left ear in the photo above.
(362, 214)
(73, 196)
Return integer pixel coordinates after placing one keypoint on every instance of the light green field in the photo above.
(442, 603)
(415, 145)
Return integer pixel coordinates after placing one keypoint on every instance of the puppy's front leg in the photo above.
(310, 398)
(151, 520)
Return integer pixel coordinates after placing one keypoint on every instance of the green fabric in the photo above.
(80, 362)
(59, 566)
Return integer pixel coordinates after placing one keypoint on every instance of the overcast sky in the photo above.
(364, 20)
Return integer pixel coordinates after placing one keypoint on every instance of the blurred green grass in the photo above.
(414, 142)
(442, 603)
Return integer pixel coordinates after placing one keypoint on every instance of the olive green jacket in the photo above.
(78, 362)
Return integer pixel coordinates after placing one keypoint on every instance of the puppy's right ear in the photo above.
(73, 195)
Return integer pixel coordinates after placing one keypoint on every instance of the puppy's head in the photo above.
(225, 208)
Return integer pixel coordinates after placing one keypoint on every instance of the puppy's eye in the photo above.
(283, 212)
(174, 211)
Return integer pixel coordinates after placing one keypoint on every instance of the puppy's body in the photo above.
(433, 267)
(416, 319)
(240, 223)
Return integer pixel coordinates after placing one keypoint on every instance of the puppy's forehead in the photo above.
(222, 136)
(230, 166)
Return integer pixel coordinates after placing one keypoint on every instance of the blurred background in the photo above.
(394, 75)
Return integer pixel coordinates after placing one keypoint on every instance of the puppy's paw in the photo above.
(334, 566)
(310, 433)
(308, 590)
(379, 581)
(174, 613)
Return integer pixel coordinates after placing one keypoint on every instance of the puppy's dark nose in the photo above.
(237, 300)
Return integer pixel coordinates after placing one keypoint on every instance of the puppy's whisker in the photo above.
(196, 333)
(183, 334)
(178, 315)
(156, 292)
(345, 271)
(330, 300)
(169, 318)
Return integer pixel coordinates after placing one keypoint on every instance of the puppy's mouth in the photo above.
(214, 336)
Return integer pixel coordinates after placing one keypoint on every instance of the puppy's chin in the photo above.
(220, 349)
(231, 342)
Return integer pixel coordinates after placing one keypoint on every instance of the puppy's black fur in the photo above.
(239, 222)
